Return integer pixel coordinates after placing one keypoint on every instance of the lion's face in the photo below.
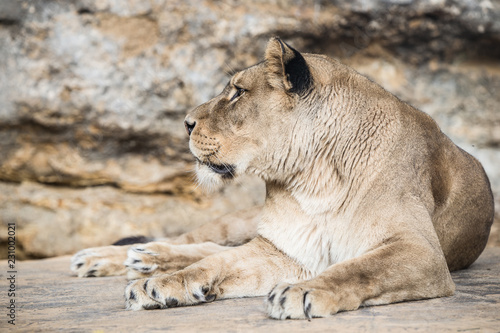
(243, 128)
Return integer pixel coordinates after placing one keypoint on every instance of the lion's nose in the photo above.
(189, 126)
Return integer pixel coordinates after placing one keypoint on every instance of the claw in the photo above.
(307, 306)
(91, 273)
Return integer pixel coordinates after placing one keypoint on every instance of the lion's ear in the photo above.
(286, 68)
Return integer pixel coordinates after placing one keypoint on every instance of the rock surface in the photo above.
(49, 300)
(93, 94)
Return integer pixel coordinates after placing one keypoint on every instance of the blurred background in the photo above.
(93, 94)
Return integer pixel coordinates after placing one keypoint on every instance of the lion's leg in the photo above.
(249, 270)
(396, 271)
(140, 260)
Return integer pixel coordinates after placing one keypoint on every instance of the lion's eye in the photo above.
(238, 93)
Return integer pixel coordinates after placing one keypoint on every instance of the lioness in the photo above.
(367, 201)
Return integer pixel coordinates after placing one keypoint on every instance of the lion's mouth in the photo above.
(226, 170)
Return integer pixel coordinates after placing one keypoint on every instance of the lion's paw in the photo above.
(165, 291)
(99, 261)
(141, 261)
(157, 258)
(288, 301)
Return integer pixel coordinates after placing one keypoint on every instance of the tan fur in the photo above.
(367, 201)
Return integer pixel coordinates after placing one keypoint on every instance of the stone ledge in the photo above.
(49, 298)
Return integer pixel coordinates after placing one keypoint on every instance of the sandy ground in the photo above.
(48, 298)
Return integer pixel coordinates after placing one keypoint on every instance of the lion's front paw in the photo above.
(99, 261)
(288, 301)
(165, 291)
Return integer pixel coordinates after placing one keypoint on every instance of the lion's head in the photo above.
(266, 120)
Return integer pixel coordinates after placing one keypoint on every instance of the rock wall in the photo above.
(93, 94)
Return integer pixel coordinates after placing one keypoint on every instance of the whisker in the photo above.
(206, 188)
(229, 70)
